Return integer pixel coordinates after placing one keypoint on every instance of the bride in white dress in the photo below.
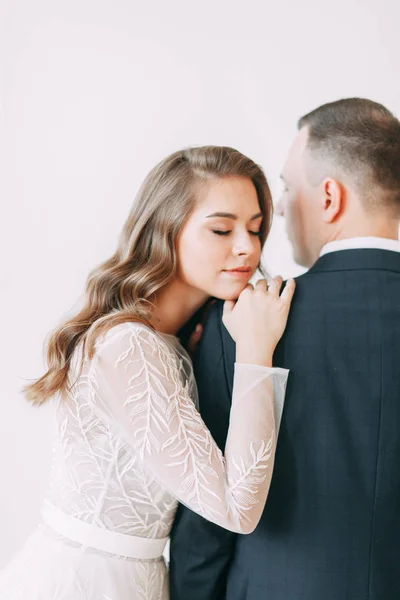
(130, 442)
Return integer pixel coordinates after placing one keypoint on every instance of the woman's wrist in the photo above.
(250, 354)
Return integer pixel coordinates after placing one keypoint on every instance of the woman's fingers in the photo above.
(194, 339)
(261, 285)
(275, 285)
(288, 291)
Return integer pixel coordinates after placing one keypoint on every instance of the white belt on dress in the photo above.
(92, 536)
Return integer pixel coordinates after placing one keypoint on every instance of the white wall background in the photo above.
(92, 94)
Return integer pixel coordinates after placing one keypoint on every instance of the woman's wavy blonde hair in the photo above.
(121, 288)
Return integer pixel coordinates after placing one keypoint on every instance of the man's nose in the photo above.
(279, 208)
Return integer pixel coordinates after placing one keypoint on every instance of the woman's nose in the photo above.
(244, 246)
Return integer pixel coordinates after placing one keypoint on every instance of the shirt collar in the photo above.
(361, 242)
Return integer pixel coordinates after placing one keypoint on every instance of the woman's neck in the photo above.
(174, 305)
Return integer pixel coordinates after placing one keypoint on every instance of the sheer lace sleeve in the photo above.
(136, 385)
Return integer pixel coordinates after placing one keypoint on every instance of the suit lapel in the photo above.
(229, 351)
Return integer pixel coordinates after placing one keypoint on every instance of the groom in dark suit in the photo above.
(331, 526)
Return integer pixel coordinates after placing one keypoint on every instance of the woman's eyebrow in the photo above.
(232, 216)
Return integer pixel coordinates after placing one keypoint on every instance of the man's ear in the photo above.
(333, 199)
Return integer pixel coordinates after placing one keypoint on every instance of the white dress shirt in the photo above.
(361, 242)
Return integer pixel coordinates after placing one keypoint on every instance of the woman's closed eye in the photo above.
(223, 232)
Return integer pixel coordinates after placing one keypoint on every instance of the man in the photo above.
(331, 526)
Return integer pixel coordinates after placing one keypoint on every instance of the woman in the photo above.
(130, 442)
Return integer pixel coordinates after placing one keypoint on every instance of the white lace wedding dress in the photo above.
(130, 444)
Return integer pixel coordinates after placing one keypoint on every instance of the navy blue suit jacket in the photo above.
(331, 525)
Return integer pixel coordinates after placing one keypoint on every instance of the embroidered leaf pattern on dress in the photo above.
(129, 444)
(138, 388)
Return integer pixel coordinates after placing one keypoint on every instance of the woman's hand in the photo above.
(194, 340)
(257, 320)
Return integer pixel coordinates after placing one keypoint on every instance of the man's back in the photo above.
(330, 529)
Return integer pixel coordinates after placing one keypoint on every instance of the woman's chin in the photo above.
(232, 293)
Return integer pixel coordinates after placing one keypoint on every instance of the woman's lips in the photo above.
(239, 272)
